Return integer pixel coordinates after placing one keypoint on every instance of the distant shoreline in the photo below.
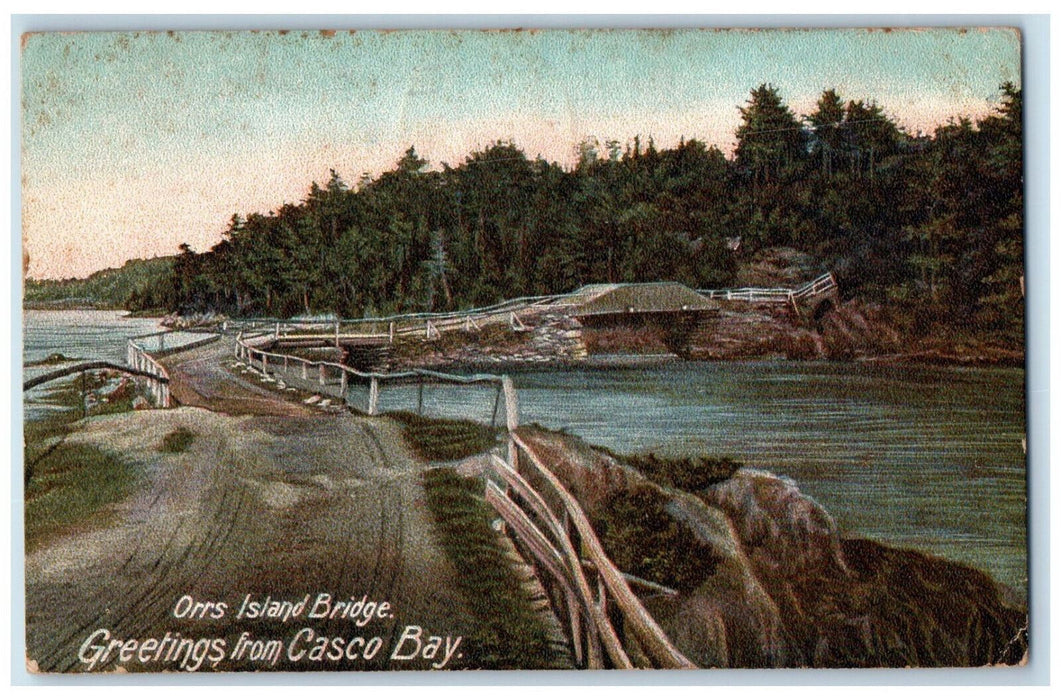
(126, 313)
(939, 356)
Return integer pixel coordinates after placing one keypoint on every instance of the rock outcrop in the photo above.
(780, 586)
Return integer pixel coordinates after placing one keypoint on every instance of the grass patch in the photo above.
(445, 439)
(686, 473)
(643, 539)
(67, 395)
(71, 483)
(65, 484)
(508, 633)
(177, 441)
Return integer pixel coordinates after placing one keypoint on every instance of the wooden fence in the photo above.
(157, 382)
(779, 295)
(339, 378)
(606, 623)
(143, 360)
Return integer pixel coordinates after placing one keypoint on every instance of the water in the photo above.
(929, 458)
(80, 335)
(87, 335)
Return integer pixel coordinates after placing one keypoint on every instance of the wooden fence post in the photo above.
(390, 333)
(337, 333)
(511, 403)
(373, 396)
(342, 385)
(305, 369)
(321, 374)
(511, 420)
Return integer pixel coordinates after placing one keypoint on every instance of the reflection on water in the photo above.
(92, 335)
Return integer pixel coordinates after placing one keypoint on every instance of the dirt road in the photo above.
(270, 499)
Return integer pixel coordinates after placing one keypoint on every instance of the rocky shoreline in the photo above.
(770, 581)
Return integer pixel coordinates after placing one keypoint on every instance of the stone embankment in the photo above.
(540, 337)
(746, 330)
(739, 330)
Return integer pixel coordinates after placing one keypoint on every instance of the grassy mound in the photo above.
(71, 483)
(643, 539)
(177, 441)
(64, 483)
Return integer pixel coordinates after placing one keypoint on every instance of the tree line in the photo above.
(929, 223)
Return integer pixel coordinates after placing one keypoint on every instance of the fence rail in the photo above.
(157, 379)
(85, 367)
(341, 377)
(606, 622)
(780, 295)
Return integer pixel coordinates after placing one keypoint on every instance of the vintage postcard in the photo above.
(424, 350)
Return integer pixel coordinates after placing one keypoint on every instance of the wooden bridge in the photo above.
(663, 301)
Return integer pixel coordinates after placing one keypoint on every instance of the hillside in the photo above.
(137, 285)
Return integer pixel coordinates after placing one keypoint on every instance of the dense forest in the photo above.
(142, 285)
(930, 224)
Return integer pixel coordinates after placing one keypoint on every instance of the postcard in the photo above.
(427, 350)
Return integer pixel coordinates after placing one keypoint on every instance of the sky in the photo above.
(133, 143)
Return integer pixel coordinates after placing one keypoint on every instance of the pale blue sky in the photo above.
(133, 143)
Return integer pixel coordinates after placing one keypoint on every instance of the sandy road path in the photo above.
(197, 378)
(269, 499)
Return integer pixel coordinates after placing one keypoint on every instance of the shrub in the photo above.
(177, 441)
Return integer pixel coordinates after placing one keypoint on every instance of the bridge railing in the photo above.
(156, 377)
(779, 295)
(821, 285)
(142, 358)
(749, 294)
(403, 324)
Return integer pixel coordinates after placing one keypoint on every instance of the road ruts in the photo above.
(270, 498)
